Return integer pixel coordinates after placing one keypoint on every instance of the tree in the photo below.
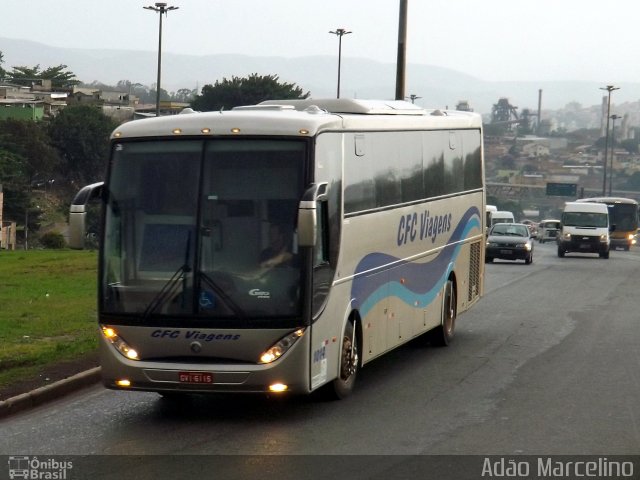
(81, 134)
(26, 160)
(3, 73)
(184, 95)
(60, 78)
(245, 91)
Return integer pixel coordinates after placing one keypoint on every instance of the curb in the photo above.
(47, 393)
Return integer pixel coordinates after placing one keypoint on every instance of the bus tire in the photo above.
(443, 335)
(349, 362)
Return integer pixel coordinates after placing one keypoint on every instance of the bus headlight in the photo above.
(604, 238)
(566, 237)
(112, 336)
(281, 347)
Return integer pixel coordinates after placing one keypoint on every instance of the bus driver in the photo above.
(277, 253)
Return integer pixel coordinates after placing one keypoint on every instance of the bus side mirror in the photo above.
(78, 213)
(612, 228)
(308, 216)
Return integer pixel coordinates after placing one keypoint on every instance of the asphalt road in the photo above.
(547, 363)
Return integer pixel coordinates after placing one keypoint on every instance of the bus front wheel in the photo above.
(349, 362)
(443, 335)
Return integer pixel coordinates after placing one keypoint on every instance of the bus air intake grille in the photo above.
(474, 270)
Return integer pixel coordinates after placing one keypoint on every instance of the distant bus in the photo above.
(371, 214)
(623, 215)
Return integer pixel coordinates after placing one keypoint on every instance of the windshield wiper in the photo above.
(171, 286)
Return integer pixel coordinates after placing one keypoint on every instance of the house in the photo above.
(19, 103)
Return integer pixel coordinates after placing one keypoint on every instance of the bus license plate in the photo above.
(195, 377)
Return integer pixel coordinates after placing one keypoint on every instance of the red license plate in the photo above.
(195, 377)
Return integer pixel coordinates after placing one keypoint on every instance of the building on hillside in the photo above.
(535, 149)
(21, 109)
(19, 103)
(39, 98)
(118, 105)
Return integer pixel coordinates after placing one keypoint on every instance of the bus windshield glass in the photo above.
(624, 216)
(203, 230)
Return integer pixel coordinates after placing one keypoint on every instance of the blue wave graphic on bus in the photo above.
(421, 281)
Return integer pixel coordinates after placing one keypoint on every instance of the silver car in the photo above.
(509, 241)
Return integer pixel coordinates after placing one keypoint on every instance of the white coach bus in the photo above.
(282, 246)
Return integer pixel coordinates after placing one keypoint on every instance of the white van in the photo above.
(489, 211)
(502, 216)
(548, 230)
(584, 228)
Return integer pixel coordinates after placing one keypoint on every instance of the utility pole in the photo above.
(614, 117)
(162, 9)
(340, 32)
(401, 63)
(608, 88)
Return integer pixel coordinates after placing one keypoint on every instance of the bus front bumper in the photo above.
(286, 374)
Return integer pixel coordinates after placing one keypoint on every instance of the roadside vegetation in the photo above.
(47, 310)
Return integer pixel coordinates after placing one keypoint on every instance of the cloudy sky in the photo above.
(492, 39)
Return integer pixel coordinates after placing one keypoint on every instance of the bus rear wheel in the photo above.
(349, 363)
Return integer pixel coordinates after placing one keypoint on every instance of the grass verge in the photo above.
(47, 310)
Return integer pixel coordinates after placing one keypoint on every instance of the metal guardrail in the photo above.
(527, 192)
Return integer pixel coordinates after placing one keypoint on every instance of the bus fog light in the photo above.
(278, 387)
(280, 348)
(112, 336)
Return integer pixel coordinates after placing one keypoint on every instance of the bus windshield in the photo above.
(624, 216)
(203, 229)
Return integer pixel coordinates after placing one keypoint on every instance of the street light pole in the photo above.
(608, 88)
(401, 62)
(162, 9)
(614, 117)
(339, 32)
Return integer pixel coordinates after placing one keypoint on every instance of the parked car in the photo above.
(509, 241)
(548, 230)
